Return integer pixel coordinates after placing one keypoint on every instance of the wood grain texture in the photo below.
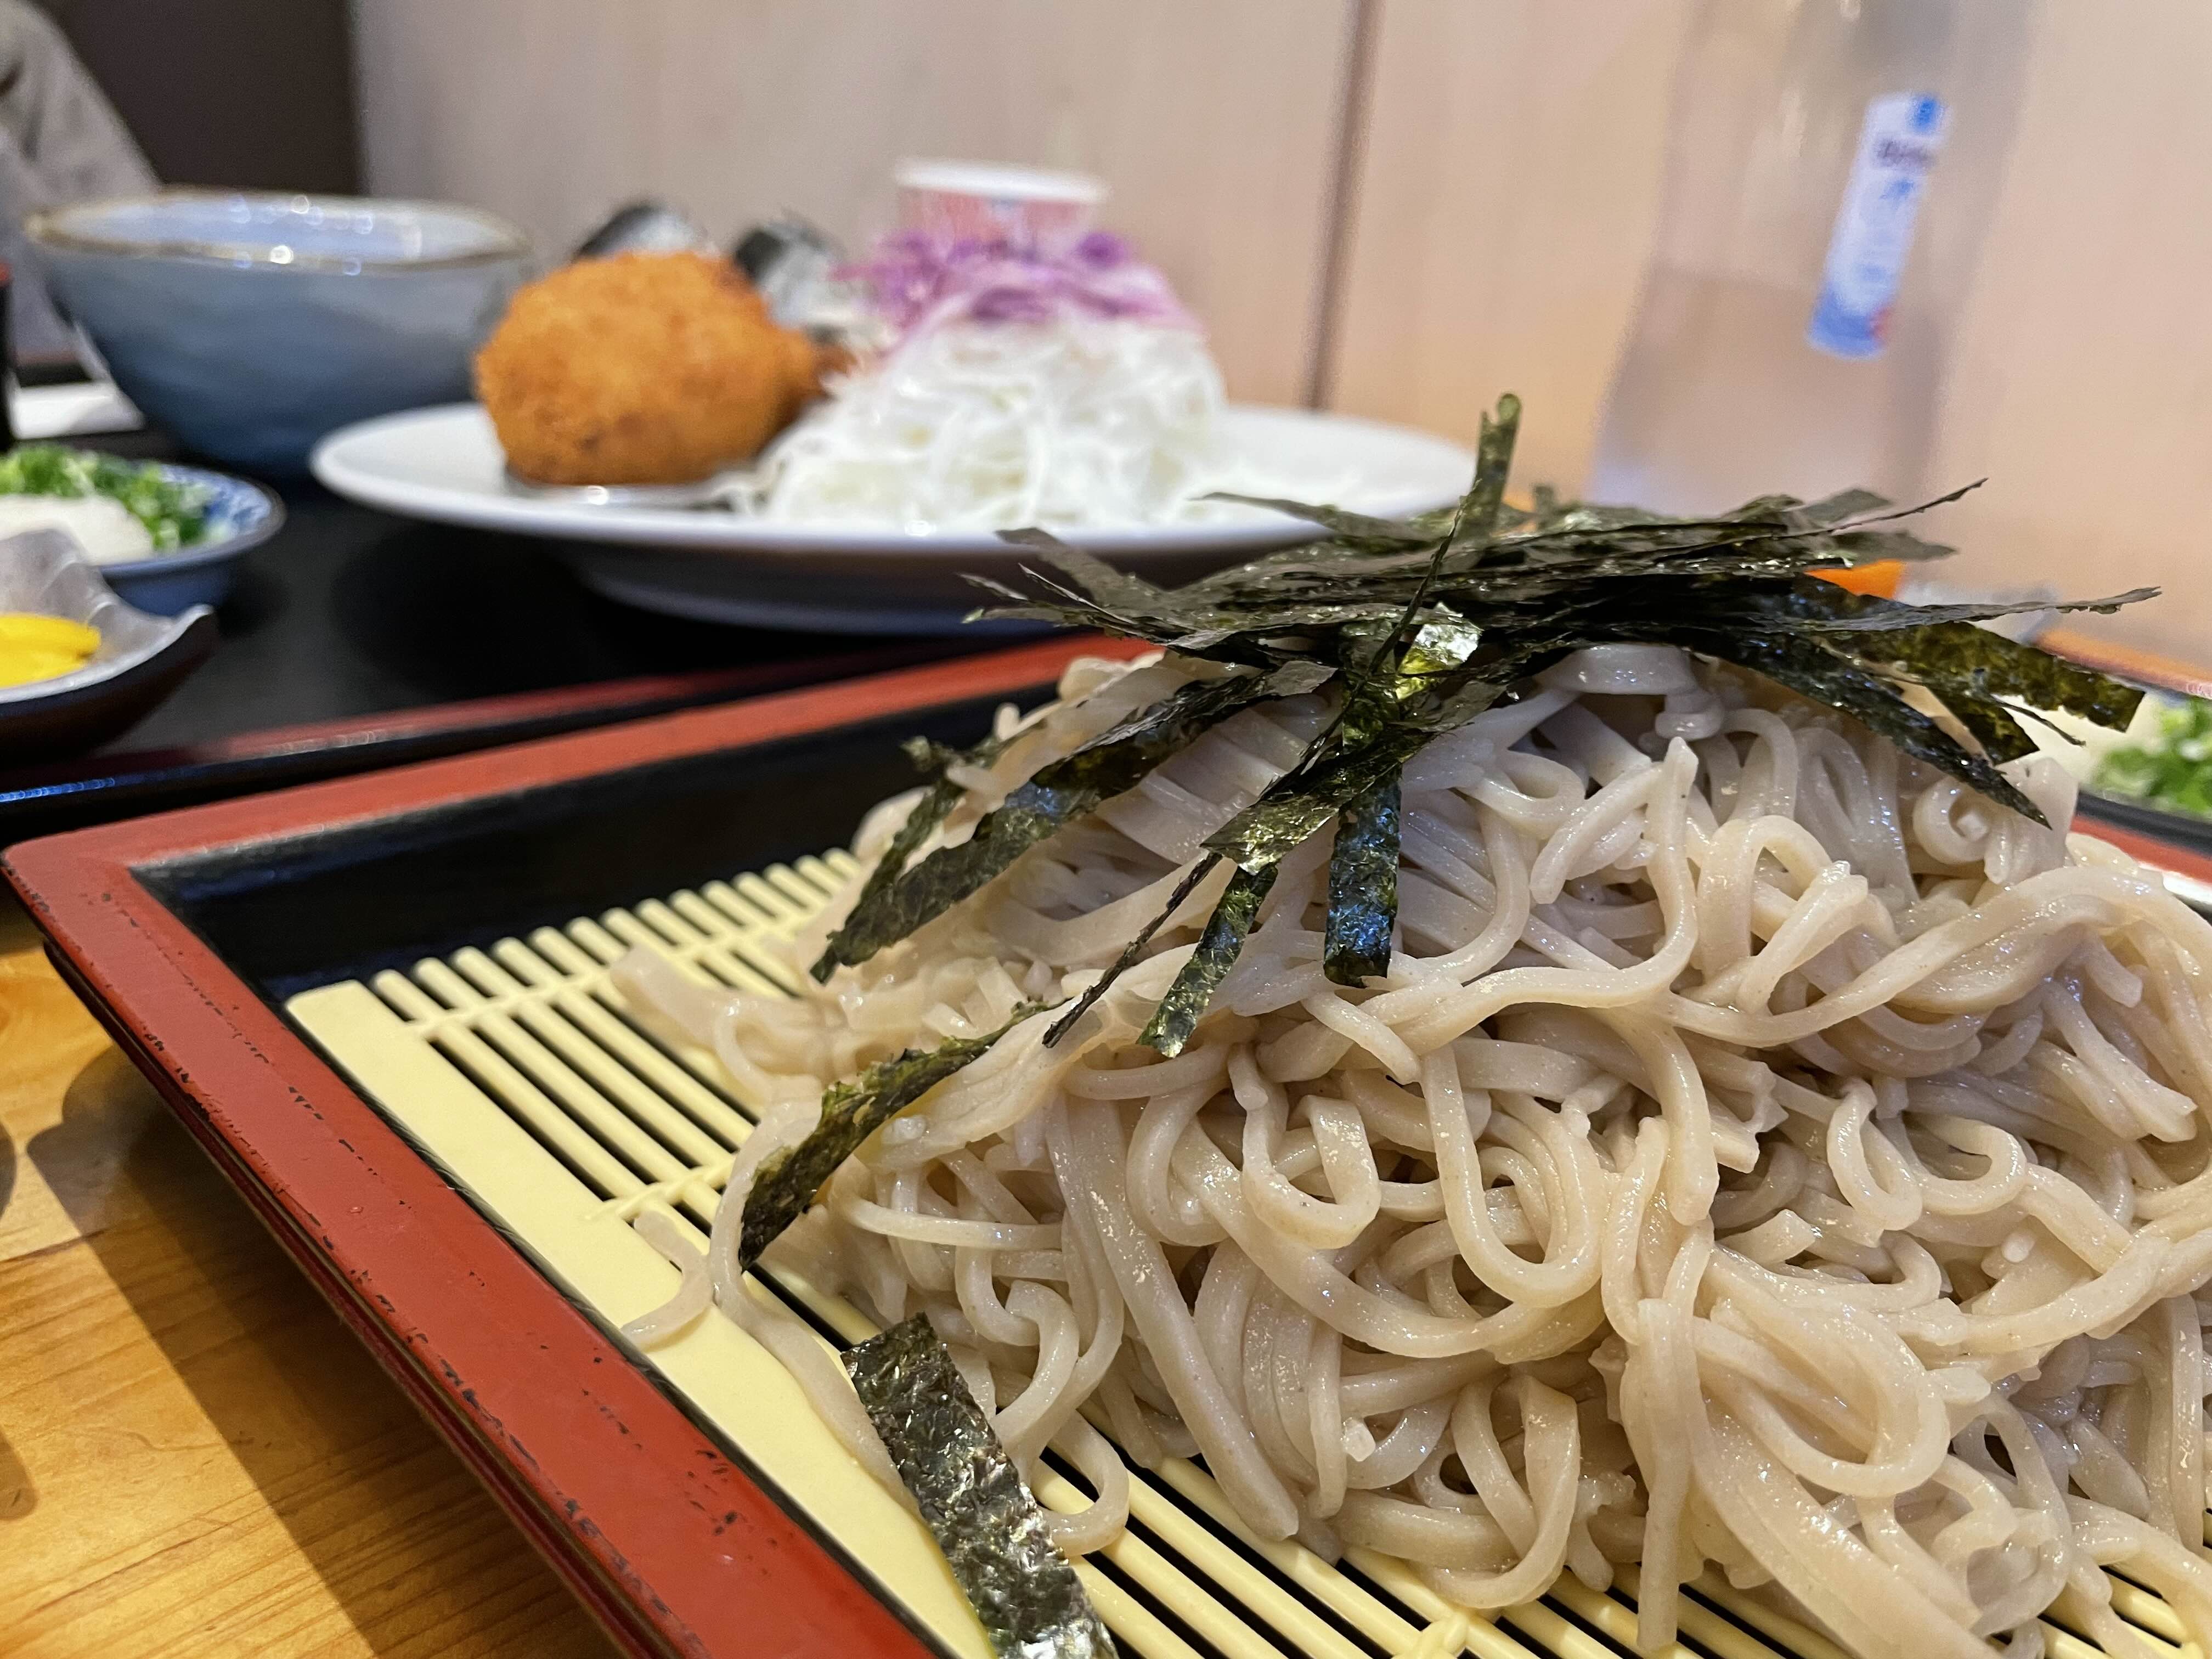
(1509, 190)
(1215, 126)
(2082, 385)
(196, 1458)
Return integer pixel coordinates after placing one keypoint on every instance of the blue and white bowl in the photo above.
(239, 515)
(248, 325)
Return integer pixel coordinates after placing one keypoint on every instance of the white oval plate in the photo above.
(446, 465)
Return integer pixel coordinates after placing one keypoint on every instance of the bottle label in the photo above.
(1898, 145)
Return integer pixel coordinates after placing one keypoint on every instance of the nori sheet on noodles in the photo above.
(1362, 888)
(1067, 789)
(1226, 929)
(972, 1499)
(935, 805)
(1827, 676)
(1428, 621)
(784, 1185)
(2001, 736)
(1293, 810)
(1476, 520)
(1396, 532)
(1134, 951)
(1963, 663)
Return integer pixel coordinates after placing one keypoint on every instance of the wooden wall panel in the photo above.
(2081, 383)
(1216, 124)
(1509, 191)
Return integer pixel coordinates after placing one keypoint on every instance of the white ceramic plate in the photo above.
(445, 465)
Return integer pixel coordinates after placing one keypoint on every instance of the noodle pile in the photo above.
(1763, 1156)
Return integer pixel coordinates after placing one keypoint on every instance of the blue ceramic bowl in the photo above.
(248, 325)
(239, 515)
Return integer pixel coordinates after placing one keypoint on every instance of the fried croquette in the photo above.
(642, 368)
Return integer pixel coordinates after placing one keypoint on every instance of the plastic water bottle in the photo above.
(1790, 333)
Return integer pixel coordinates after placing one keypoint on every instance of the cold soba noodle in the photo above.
(1762, 1152)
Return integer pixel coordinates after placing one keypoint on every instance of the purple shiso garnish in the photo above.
(918, 280)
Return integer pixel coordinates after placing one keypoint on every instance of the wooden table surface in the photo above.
(196, 1458)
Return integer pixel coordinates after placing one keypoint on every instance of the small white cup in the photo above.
(1030, 207)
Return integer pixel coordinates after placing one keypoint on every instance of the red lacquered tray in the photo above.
(186, 934)
(166, 927)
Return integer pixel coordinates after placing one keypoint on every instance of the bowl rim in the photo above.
(46, 229)
(201, 554)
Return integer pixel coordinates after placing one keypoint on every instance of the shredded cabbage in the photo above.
(1080, 421)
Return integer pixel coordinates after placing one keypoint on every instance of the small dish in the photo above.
(141, 657)
(240, 515)
(2084, 756)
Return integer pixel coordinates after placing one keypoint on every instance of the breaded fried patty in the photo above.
(642, 368)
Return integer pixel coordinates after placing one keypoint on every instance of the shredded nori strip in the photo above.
(1068, 789)
(1356, 756)
(973, 1500)
(1429, 620)
(1226, 929)
(1803, 667)
(1971, 669)
(1353, 527)
(786, 1182)
(1843, 504)
(2001, 737)
(1285, 818)
(1362, 888)
(934, 806)
(1477, 519)
(1099, 579)
(1884, 616)
(1956, 657)
(1135, 950)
